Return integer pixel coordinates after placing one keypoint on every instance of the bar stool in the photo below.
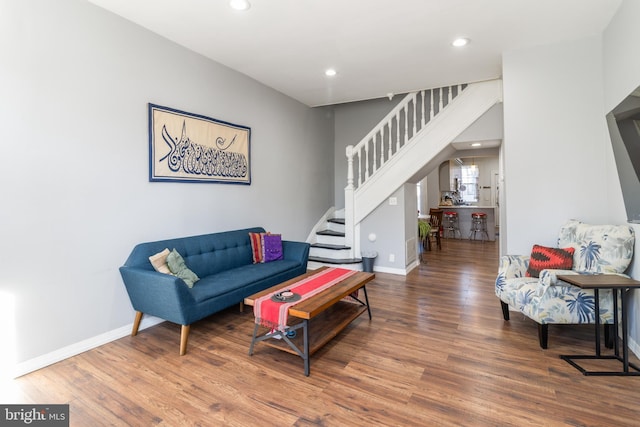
(479, 225)
(450, 224)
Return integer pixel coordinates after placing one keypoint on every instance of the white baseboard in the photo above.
(633, 346)
(398, 271)
(39, 362)
(389, 270)
(413, 265)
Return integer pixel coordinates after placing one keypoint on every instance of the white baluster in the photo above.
(397, 134)
(389, 139)
(349, 151)
(431, 105)
(423, 116)
(366, 161)
(450, 94)
(440, 102)
(415, 107)
(406, 125)
(382, 145)
(359, 166)
(459, 89)
(375, 153)
(348, 199)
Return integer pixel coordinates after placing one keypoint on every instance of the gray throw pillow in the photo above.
(179, 268)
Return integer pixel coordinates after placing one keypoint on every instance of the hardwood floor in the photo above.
(437, 353)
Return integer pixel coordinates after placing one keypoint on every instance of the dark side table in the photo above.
(615, 283)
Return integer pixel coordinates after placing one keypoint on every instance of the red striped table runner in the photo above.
(274, 315)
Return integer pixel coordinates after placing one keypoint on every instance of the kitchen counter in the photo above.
(464, 219)
(465, 207)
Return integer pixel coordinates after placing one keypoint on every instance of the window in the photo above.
(469, 183)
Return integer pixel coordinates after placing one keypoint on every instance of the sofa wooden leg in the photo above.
(543, 334)
(609, 332)
(184, 337)
(241, 306)
(505, 310)
(136, 323)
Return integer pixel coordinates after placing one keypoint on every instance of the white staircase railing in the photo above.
(419, 113)
(395, 130)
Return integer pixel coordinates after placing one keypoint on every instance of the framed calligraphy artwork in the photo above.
(186, 147)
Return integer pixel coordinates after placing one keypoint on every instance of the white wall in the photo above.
(557, 156)
(75, 82)
(433, 190)
(488, 127)
(410, 251)
(621, 62)
(621, 77)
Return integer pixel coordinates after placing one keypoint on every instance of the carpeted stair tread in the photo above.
(330, 233)
(335, 261)
(329, 246)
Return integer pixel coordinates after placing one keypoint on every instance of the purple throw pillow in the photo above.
(272, 247)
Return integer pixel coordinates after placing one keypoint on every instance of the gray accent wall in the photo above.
(75, 83)
(353, 121)
(392, 225)
(625, 141)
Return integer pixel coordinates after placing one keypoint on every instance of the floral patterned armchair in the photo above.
(545, 299)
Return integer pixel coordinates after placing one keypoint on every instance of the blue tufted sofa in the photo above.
(223, 262)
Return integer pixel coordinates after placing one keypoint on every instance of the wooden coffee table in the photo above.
(320, 317)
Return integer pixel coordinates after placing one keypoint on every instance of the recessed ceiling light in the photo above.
(460, 42)
(476, 144)
(330, 72)
(240, 4)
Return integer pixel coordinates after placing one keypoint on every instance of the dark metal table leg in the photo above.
(366, 299)
(615, 321)
(627, 365)
(625, 348)
(305, 337)
(253, 340)
(596, 294)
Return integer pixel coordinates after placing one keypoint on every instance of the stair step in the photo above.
(336, 220)
(330, 233)
(329, 246)
(311, 265)
(335, 261)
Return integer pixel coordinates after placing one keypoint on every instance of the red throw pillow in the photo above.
(554, 258)
(256, 246)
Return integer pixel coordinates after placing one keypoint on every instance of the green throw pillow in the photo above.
(179, 268)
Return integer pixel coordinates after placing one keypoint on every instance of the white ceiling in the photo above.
(377, 46)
